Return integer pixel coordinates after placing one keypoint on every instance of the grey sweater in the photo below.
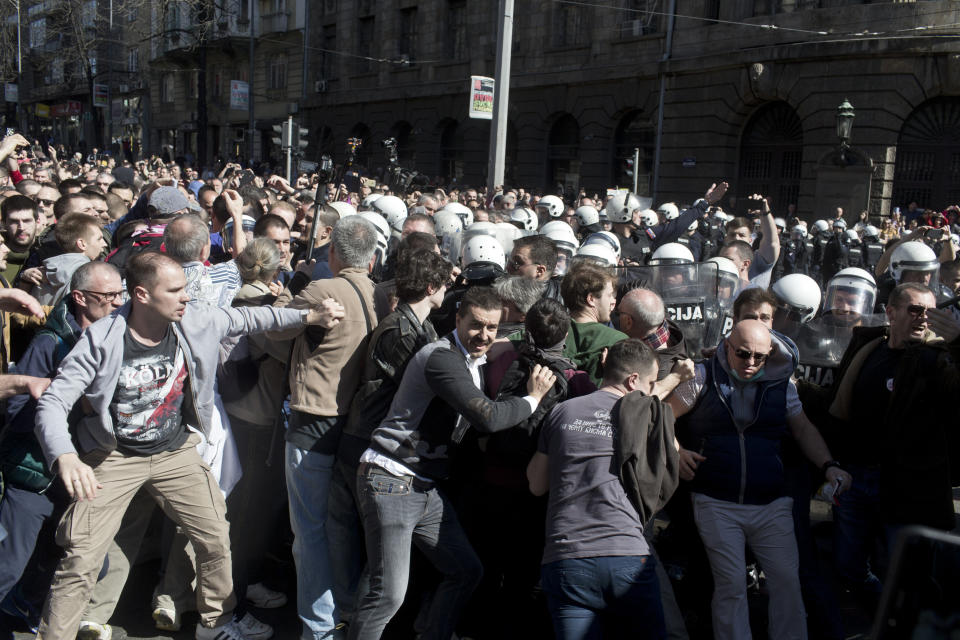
(91, 370)
(436, 388)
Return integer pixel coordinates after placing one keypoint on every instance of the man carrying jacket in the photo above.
(145, 376)
(738, 407)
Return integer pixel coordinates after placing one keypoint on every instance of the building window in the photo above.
(166, 88)
(133, 60)
(217, 82)
(329, 6)
(771, 152)
(38, 33)
(194, 85)
(407, 42)
(56, 70)
(365, 43)
(93, 65)
(643, 18)
(928, 156)
(328, 60)
(456, 31)
(277, 74)
(88, 13)
(568, 27)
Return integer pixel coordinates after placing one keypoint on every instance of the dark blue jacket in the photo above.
(742, 465)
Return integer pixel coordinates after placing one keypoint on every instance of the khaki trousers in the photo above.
(191, 498)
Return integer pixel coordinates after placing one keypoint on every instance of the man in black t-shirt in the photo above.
(896, 433)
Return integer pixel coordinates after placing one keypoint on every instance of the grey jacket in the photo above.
(91, 370)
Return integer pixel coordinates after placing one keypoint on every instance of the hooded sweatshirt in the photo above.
(58, 272)
(738, 425)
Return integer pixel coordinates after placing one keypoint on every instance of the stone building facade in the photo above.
(741, 90)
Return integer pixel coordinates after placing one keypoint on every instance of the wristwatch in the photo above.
(829, 463)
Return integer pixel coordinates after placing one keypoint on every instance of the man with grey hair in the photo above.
(325, 368)
(518, 294)
(187, 240)
(430, 204)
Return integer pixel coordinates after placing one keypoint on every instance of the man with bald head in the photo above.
(736, 410)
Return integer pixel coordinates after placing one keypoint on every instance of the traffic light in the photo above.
(628, 167)
(281, 138)
(300, 134)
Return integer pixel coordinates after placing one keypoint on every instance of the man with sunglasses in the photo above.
(895, 429)
(30, 500)
(736, 410)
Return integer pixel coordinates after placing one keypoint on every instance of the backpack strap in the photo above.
(363, 304)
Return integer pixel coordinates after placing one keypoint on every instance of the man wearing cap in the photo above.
(736, 410)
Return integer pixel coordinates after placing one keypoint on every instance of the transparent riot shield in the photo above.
(822, 343)
(690, 295)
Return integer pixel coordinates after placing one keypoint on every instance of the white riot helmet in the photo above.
(913, 256)
(648, 217)
(448, 228)
(798, 296)
(483, 248)
(693, 225)
(839, 223)
(566, 241)
(821, 226)
(553, 204)
(621, 206)
(227, 233)
(525, 218)
(587, 215)
(462, 211)
(343, 208)
(393, 209)
(383, 232)
(870, 232)
(851, 291)
(506, 233)
(604, 237)
(851, 235)
(781, 224)
(799, 232)
(669, 211)
(367, 203)
(601, 253)
(671, 253)
(728, 284)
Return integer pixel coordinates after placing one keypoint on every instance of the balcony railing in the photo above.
(274, 22)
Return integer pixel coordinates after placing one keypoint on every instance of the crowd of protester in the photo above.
(471, 406)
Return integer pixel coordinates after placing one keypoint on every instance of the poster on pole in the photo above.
(481, 97)
(101, 95)
(11, 92)
(239, 94)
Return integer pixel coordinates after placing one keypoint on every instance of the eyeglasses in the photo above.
(108, 296)
(916, 310)
(746, 356)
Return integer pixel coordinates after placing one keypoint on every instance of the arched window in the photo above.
(928, 156)
(771, 152)
(563, 154)
(636, 130)
(406, 150)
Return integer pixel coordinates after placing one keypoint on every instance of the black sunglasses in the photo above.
(916, 310)
(746, 356)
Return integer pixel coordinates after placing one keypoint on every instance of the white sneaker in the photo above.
(94, 631)
(228, 631)
(166, 619)
(253, 629)
(261, 596)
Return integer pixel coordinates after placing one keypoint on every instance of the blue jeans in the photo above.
(397, 513)
(858, 530)
(605, 597)
(308, 483)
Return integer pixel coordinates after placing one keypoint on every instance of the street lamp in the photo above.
(845, 116)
